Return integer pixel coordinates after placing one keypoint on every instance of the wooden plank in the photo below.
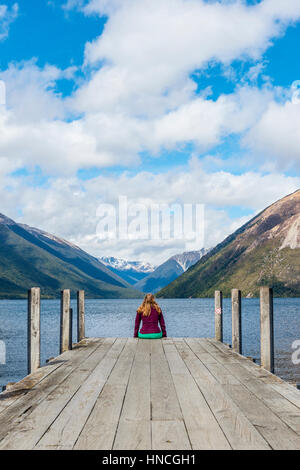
(276, 433)
(271, 427)
(168, 430)
(21, 388)
(164, 401)
(284, 409)
(34, 329)
(220, 356)
(215, 368)
(134, 429)
(27, 431)
(65, 430)
(289, 392)
(58, 369)
(203, 429)
(169, 435)
(241, 434)
(100, 429)
(255, 369)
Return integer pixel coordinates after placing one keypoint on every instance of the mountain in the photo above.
(130, 271)
(265, 251)
(31, 257)
(169, 270)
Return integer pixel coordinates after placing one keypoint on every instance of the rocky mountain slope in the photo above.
(169, 270)
(31, 257)
(265, 251)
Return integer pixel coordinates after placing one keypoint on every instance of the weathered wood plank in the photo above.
(40, 384)
(134, 430)
(215, 368)
(64, 432)
(288, 391)
(241, 434)
(271, 427)
(254, 368)
(168, 430)
(21, 388)
(169, 435)
(100, 429)
(203, 429)
(26, 431)
(264, 391)
(164, 401)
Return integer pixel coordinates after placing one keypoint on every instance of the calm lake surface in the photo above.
(184, 318)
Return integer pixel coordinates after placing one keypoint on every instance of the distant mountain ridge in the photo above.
(130, 271)
(169, 270)
(31, 257)
(264, 251)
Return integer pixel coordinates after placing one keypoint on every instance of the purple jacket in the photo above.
(150, 324)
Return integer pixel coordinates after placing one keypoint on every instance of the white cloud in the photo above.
(153, 46)
(276, 135)
(7, 16)
(36, 131)
(142, 99)
(205, 122)
(67, 206)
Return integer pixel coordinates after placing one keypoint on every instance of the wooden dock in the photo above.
(174, 393)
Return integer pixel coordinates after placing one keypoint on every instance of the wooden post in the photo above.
(219, 315)
(266, 329)
(71, 330)
(80, 316)
(34, 328)
(65, 321)
(236, 321)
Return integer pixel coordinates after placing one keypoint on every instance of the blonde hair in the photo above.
(148, 303)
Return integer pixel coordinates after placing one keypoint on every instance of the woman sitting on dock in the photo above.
(150, 314)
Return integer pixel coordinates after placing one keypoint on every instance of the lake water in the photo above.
(184, 317)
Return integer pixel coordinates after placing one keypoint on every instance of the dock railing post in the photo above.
(219, 315)
(71, 330)
(34, 329)
(236, 320)
(65, 321)
(266, 329)
(80, 315)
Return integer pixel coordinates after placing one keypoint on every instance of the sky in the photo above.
(186, 102)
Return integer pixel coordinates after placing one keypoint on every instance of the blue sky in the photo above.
(166, 101)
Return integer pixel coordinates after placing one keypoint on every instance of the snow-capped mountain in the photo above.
(169, 270)
(130, 271)
(187, 259)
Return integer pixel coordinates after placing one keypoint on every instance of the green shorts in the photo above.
(150, 335)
